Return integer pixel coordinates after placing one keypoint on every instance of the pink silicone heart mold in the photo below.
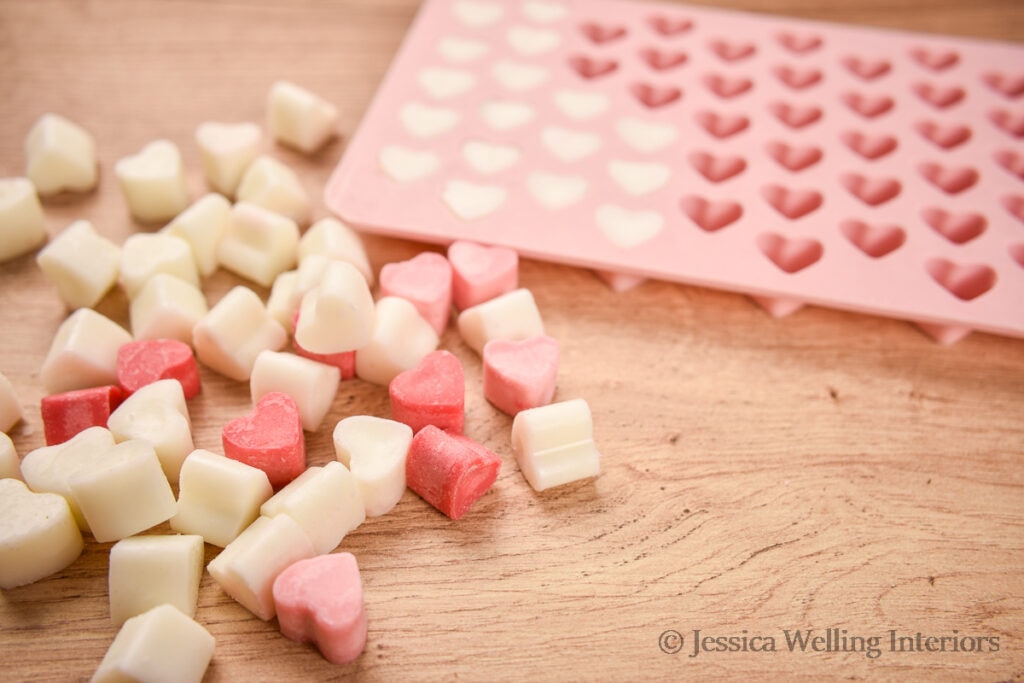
(946, 137)
(874, 240)
(866, 68)
(795, 116)
(1017, 253)
(717, 168)
(870, 147)
(1008, 122)
(965, 281)
(732, 51)
(949, 179)
(654, 97)
(796, 78)
(600, 34)
(590, 68)
(871, 191)
(792, 203)
(940, 97)
(935, 59)
(711, 215)
(868, 106)
(662, 60)
(958, 228)
(790, 254)
(726, 87)
(793, 158)
(722, 125)
(1010, 85)
(1011, 161)
(1015, 206)
(670, 26)
(799, 44)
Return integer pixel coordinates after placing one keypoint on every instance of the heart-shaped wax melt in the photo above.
(269, 438)
(433, 392)
(554, 190)
(319, 600)
(426, 281)
(480, 273)
(145, 361)
(38, 535)
(626, 228)
(520, 374)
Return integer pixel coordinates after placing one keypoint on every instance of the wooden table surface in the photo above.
(826, 470)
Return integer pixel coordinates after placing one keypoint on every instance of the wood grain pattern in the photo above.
(827, 470)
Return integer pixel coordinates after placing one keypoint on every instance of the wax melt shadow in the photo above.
(576, 495)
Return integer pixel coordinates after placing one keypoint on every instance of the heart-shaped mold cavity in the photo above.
(868, 106)
(653, 96)
(946, 137)
(935, 58)
(793, 158)
(799, 44)
(717, 168)
(662, 60)
(870, 147)
(949, 179)
(670, 26)
(590, 68)
(965, 281)
(1015, 206)
(1017, 253)
(727, 87)
(792, 203)
(871, 191)
(790, 254)
(1010, 85)
(722, 125)
(797, 78)
(939, 96)
(1008, 122)
(958, 228)
(711, 215)
(795, 116)
(874, 240)
(866, 68)
(1011, 161)
(600, 33)
(732, 51)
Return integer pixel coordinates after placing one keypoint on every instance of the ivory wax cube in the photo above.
(22, 227)
(298, 118)
(247, 566)
(38, 536)
(145, 254)
(10, 465)
(270, 184)
(230, 336)
(157, 414)
(312, 384)
(153, 182)
(554, 444)
(331, 238)
(166, 307)
(10, 406)
(61, 156)
(258, 244)
(159, 646)
(325, 501)
(82, 264)
(512, 316)
(227, 149)
(148, 571)
(83, 353)
(124, 493)
(399, 341)
(202, 225)
(283, 302)
(218, 497)
(338, 314)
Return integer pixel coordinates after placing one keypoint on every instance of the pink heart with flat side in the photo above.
(424, 280)
(520, 374)
(481, 273)
(433, 392)
(319, 600)
(269, 438)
